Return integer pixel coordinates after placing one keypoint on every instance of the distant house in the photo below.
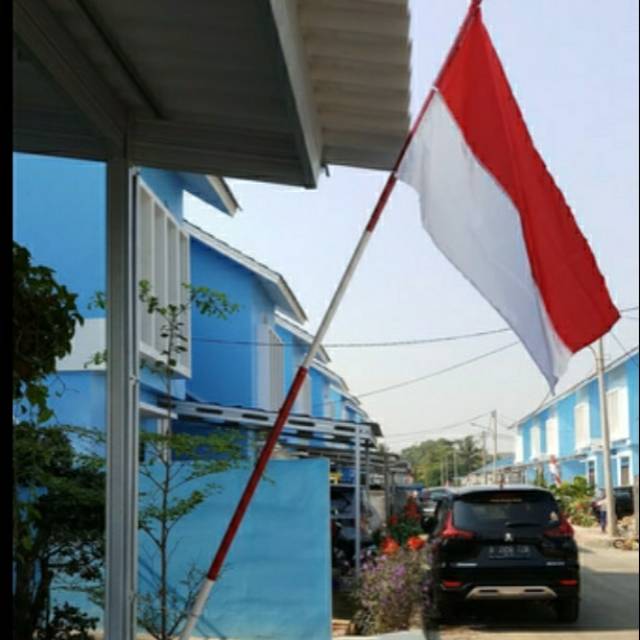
(569, 428)
(485, 474)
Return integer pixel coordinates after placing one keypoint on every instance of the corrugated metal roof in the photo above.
(258, 89)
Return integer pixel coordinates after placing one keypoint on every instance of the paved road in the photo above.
(609, 608)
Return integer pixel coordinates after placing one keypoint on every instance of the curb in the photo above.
(589, 537)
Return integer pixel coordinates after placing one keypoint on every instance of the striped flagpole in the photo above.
(283, 414)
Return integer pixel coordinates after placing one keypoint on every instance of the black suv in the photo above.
(500, 543)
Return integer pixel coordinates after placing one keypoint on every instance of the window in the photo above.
(625, 471)
(581, 421)
(551, 428)
(276, 371)
(163, 261)
(535, 441)
(519, 446)
(303, 402)
(617, 409)
(591, 472)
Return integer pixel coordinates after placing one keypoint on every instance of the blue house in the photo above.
(569, 429)
(238, 368)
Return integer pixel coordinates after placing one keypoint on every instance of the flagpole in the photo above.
(283, 413)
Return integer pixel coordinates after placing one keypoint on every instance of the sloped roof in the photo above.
(274, 284)
(302, 335)
(610, 366)
(212, 190)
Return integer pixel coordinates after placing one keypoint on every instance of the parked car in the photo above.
(429, 499)
(343, 512)
(623, 498)
(495, 543)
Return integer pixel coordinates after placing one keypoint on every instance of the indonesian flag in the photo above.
(493, 209)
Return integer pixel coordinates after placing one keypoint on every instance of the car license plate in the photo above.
(510, 551)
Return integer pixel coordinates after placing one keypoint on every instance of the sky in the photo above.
(573, 67)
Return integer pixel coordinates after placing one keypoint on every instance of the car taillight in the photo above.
(451, 584)
(568, 583)
(453, 533)
(562, 530)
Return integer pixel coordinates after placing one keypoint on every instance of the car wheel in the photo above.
(567, 609)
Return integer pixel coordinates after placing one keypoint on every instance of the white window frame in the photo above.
(303, 401)
(163, 260)
(276, 369)
(582, 435)
(625, 455)
(536, 451)
(593, 461)
(552, 435)
(519, 446)
(618, 413)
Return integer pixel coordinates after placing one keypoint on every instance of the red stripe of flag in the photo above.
(477, 93)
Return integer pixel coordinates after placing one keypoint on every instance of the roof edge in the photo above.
(246, 261)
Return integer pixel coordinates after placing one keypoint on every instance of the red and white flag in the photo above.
(554, 470)
(493, 209)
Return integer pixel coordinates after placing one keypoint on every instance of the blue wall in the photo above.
(59, 215)
(276, 583)
(224, 373)
(624, 374)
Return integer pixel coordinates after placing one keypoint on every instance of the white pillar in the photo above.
(121, 564)
(357, 491)
(494, 424)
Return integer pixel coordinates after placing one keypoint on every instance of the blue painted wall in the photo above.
(59, 215)
(224, 373)
(566, 426)
(277, 580)
(623, 374)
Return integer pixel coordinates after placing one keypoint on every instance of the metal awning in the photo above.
(259, 89)
(303, 436)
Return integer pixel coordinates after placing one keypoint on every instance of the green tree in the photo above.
(44, 321)
(177, 469)
(58, 495)
(469, 455)
(59, 525)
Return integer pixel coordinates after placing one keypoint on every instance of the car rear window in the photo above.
(488, 511)
(436, 495)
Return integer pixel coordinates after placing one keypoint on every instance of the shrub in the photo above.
(574, 499)
(389, 590)
(579, 512)
(407, 524)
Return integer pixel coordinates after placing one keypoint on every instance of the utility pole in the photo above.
(494, 424)
(484, 455)
(606, 446)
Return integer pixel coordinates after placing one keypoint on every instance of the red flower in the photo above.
(415, 543)
(389, 546)
(393, 520)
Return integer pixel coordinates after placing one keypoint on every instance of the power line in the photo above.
(625, 351)
(411, 381)
(433, 374)
(448, 426)
(389, 343)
